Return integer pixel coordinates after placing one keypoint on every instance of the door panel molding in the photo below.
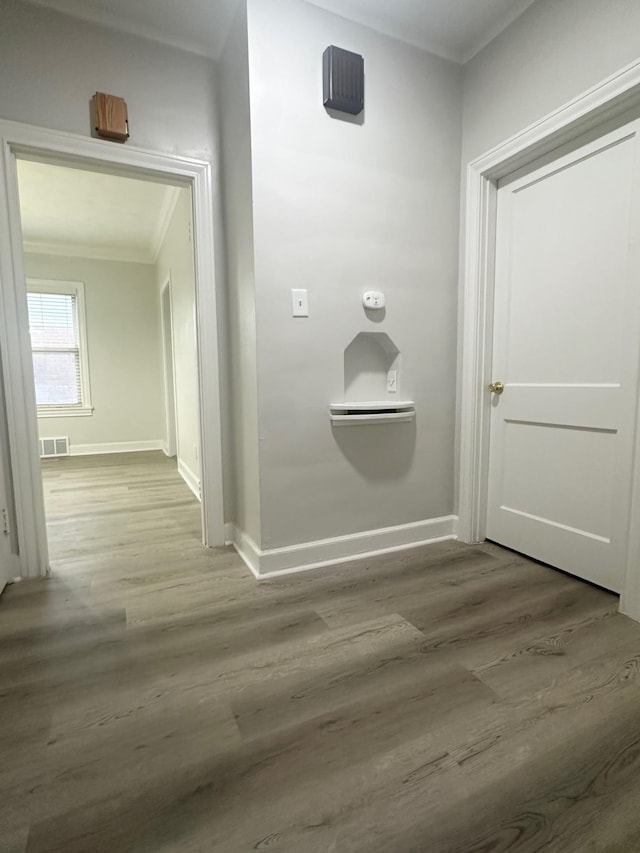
(595, 112)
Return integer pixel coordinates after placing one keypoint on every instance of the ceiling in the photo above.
(89, 214)
(455, 29)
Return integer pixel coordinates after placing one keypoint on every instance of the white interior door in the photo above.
(566, 332)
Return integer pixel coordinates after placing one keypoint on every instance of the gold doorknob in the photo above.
(496, 388)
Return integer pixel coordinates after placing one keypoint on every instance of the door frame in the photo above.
(599, 109)
(52, 146)
(171, 415)
(8, 526)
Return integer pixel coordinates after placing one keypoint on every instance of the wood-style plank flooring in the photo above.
(450, 699)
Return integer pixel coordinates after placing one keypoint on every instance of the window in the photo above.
(59, 348)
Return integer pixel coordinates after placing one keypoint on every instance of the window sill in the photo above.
(65, 412)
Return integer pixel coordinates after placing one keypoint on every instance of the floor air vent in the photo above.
(53, 447)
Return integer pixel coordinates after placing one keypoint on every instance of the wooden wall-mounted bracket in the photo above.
(109, 117)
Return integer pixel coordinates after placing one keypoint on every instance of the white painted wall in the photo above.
(238, 214)
(51, 65)
(339, 208)
(175, 262)
(553, 52)
(124, 350)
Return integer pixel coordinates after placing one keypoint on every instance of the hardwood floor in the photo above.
(449, 699)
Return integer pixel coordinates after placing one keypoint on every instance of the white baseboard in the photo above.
(275, 562)
(248, 550)
(113, 447)
(190, 478)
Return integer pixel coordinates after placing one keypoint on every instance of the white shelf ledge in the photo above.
(373, 412)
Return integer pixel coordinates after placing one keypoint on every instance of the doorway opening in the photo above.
(21, 468)
(111, 306)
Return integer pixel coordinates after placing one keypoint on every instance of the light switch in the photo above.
(299, 303)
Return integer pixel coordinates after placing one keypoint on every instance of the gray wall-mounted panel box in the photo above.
(343, 80)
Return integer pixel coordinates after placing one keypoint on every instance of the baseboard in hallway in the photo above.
(275, 562)
(114, 447)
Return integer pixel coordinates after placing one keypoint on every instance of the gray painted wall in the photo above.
(555, 51)
(51, 65)
(551, 54)
(339, 208)
(237, 191)
(123, 349)
(334, 206)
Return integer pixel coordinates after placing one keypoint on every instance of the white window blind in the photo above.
(55, 343)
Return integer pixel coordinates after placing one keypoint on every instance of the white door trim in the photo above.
(171, 415)
(50, 145)
(607, 101)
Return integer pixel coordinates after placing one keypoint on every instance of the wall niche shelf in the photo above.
(372, 380)
(372, 412)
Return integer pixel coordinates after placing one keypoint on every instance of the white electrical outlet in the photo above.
(392, 381)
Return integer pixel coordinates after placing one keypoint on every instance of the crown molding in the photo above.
(518, 8)
(406, 32)
(124, 24)
(397, 30)
(97, 13)
(94, 253)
